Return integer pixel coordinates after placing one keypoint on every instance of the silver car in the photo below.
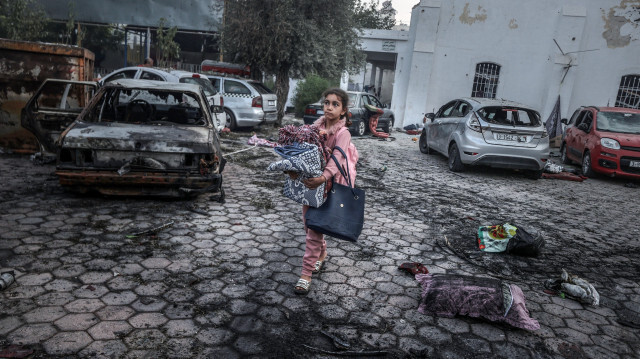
(489, 132)
(247, 103)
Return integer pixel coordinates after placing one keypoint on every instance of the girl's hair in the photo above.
(344, 98)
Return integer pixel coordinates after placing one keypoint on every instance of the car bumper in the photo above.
(256, 116)
(615, 163)
(475, 151)
(138, 183)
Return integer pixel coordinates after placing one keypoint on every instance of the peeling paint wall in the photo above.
(621, 23)
(480, 15)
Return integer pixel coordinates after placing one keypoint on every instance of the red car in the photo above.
(603, 140)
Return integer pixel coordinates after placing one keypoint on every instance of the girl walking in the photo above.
(335, 123)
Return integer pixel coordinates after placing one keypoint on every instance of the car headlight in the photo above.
(610, 143)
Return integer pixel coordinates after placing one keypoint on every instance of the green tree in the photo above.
(292, 38)
(369, 16)
(166, 48)
(21, 19)
(309, 91)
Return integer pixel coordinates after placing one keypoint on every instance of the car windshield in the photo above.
(208, 88)
(619, 122)
(513, 116)
(146, 106)
(261, 88)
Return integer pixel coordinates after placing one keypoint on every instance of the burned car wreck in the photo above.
(134, 137)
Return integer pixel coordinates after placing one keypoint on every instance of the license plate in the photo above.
(508, 137)
(634, 164)
(272, 102)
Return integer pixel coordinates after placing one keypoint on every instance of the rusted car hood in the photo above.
(124, 137)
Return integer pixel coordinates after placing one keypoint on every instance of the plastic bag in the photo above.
(525, 243)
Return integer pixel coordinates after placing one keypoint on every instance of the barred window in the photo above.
(629, 92)
(485, 83)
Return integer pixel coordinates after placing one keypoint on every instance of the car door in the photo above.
(53, 107)
(581, 136)
(237, 96)
(436, 135)
(573, 136)
(357, 110)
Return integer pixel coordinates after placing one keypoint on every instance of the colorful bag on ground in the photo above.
(495, 238)
(342, 214)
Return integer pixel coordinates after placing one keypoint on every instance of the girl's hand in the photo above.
(292, 174)
(314, 182)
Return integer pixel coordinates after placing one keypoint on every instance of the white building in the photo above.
(585, 51)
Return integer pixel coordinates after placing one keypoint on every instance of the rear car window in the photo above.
(619, 122)
(513, 116)
(127, 74)
(261, 88)
(208, 88)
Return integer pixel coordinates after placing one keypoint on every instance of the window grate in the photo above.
(485, 83)
(629, 92)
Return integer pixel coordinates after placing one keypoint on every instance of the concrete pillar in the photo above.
(372, 80)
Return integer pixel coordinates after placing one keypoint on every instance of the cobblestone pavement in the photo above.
(218, 283)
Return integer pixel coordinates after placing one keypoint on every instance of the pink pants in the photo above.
(316, 247)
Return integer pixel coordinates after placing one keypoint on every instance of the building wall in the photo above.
(448, 38)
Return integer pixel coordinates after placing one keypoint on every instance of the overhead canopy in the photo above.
(197, 15)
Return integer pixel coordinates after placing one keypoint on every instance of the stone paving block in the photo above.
(148, 304)
(34, 279)
(214, 336)
(104, 349)
(73, 322)
(90, 291)
(44, 314)
(378, 341)
(115, 313)
(181, 328)
(147, 320)
(574, 336)
(84, 305)
(237, 291)
(32, 334)
(95, 277)
(155, 263)
(67, 343)
(151, 288)
(8, 324)
(612, 344)
(145, 339)
(558, 310)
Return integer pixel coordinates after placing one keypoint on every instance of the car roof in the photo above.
(154, 85)
(174, 72)
(614, 109)
(478, 102)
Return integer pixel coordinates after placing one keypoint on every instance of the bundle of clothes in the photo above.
(303, 151)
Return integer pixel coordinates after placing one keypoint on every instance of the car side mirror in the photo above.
(565, 121)
(430, 116)
(583, 127)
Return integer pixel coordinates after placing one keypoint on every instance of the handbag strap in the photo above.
(347, 175)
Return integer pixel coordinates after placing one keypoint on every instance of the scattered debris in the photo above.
(6, 279)
(631, 185)
(574, 287)
(414, 139)
(91, 288)
(564, 176)
(414, 268)
(255, 141)
(551, 167)
(151, 231)
(448, 295)
(15, 351)
(40, 158)
(193, 209)
(348, 353)
(338, 342)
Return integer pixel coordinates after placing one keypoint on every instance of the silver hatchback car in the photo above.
(489, 132)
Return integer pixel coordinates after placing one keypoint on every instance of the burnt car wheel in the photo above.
(455, 163)
(586, 165)
(361, 128)
(230, 121)
(423, 144)
(563, 155)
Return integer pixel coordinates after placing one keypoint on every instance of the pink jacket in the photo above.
(339, 135)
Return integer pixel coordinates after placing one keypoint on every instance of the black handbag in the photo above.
(342, 214)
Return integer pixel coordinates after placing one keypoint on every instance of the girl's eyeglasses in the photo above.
(335, 104)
